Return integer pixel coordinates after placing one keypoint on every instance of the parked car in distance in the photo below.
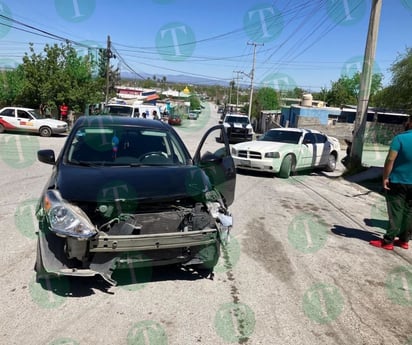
(125, 192)
(193, 116)
(18, 119)
(132, 110)
(237, 127)
(175, 120)
(286, 150)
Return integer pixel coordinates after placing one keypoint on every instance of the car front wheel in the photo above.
(331, 166)
(45, 132)
(1, 128)
(286, 167)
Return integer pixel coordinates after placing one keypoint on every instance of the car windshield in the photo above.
(118, 110)
(237, 119)
(279, 136)
(125, 146)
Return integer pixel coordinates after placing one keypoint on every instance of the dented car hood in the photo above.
(90, 184)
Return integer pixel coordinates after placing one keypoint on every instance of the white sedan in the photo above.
(16, 119)
(284, 151)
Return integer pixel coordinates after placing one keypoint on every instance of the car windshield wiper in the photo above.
(86, 163)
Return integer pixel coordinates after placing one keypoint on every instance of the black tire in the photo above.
(331, 166)
(286, 167)
(1, 128)
(45, 131)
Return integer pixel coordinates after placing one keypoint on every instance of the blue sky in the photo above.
(304, 43)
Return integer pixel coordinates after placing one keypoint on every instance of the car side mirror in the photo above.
(46, 156)
(220, 122)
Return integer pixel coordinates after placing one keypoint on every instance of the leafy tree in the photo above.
(148, 83)
(58, 75)
(11, 82)
(194, 102)
(397, 96)
(266, 98)
(297, 92)
(346, 90)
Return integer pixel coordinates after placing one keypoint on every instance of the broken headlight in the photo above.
(66, 219)
(224, 220)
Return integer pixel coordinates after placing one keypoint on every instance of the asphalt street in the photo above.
(298, 269)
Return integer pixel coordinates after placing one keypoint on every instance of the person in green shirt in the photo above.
(397, 184)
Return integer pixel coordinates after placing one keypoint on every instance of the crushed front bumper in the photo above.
(110, 252)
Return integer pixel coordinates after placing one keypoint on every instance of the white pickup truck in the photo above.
(238, 128)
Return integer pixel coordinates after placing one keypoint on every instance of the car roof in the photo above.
(291, 129)
(121, 121)
(18, 108)
(119, 105)
(239, 115)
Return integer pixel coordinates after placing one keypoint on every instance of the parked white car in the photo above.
(284, 151)
(17, 119)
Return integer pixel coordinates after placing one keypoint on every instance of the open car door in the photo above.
(213, 156)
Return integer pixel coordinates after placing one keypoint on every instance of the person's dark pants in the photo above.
(399, 205)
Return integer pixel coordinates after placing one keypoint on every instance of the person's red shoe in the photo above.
(382, 244)
(404, 245)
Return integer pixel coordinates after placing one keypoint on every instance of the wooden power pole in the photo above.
(252, 76)
(365, 86)
(108, 56)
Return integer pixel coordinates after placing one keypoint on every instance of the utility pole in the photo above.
(109, 55)
(365, 86)
(252, 75)
(237, 89)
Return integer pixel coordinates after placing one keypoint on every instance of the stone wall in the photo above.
(375, 133)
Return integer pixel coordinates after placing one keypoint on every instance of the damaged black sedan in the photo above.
(126, 191)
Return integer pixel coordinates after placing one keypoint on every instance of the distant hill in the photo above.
(181, 79)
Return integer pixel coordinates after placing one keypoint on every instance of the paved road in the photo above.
(298, 270)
